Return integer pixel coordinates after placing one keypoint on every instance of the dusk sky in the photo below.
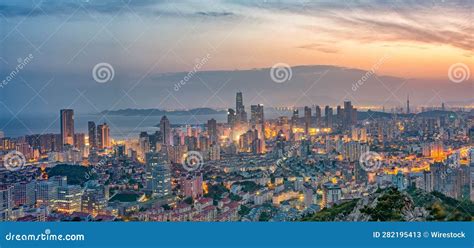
(417, 40)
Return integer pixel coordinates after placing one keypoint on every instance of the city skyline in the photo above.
(237, 111)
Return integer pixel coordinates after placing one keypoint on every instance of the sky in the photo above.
(144, 40)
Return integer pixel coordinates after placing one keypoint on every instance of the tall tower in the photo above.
(328, 113)
(165, 128)
(348, 114)
(103, 136)
(318, 116)
(212, 130)
(240, 108)
(307, 119)
(92, 134)
(67, 126)
(158, 174)
(408, 104)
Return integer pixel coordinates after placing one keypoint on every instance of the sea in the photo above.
(121, 127)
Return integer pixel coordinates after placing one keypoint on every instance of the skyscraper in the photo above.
(294, 123)
(158, 175)
(348, 114)
(307, 119)
(6, 202)
(408, 104)
(165, 128)
(92, 134)
(67, 127)
(231, 117)
(103, 136)
(212, 130)
(328, 114)
(257, 117)
(240, 108)
(317, 113)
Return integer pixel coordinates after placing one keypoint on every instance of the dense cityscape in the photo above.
(248, 169)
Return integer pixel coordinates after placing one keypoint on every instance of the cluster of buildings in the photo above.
(249, 169)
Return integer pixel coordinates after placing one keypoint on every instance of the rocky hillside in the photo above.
(393, 205)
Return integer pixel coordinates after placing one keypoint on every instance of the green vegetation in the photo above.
(125, 197)
(330, 214)
(244, 210)
(166, 207)
(216, 191)
(249, 186)
(441, 207)
(188, 200)
(389, 207)
(264, 216)
(235, 197)
(76, 174)
(391, 203)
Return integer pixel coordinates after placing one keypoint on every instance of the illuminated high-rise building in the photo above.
(24, 193)
(240, 108)
(348, 114)
(6, 202)
(212, 130)
(257, 118)
(328, 115)
(91, 128)
(332, 193)
(103, 136)
(231, 117)
(317, 114)
(165, 129)
(69, 199)
(158, 175)
(307, 119)
(67, 127)
(79, 140)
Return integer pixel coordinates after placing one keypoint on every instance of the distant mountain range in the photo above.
(159, 112)
(376, 114)
(209, 111)
(306, 86)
